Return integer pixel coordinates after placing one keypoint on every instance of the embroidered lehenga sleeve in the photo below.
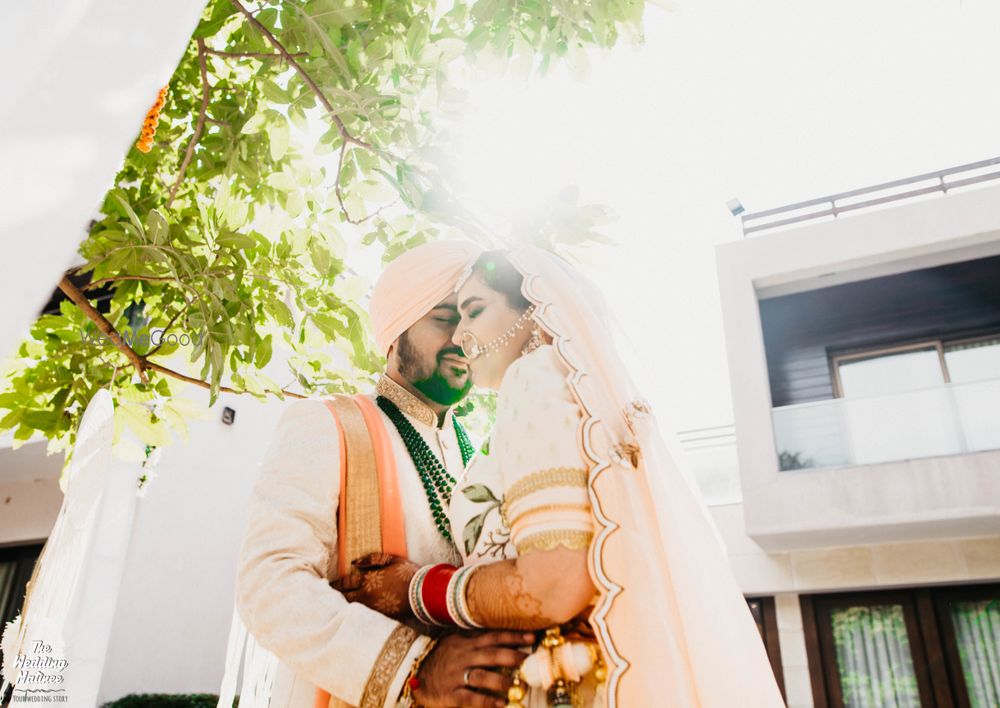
(545, 501)
(288, 558)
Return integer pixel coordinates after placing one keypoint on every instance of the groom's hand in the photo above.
(481, 659)
(380, 581)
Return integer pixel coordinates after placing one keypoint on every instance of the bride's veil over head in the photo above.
(671, 620)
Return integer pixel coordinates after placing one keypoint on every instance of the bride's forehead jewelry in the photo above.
(466, 274)
(474, 350)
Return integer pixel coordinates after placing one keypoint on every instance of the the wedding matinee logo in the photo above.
(40, 676)
(140, 338)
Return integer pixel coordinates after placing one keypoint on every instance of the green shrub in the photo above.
(168, 700)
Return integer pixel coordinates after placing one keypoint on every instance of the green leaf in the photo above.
(473, 530)
(236, 213)
(282, 181)
(236, 240)
(328, 325)
(280, 312)
(254, 125)
(441, 52)
(320, 256)
(157, 227)
(263, 354)
(279, 136)
(479, 493)
(275, 93)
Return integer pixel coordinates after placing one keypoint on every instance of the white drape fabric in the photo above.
(977, 632)
(873, 657)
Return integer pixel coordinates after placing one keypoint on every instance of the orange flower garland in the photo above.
(145, 142)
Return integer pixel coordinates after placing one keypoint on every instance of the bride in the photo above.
(575, 522)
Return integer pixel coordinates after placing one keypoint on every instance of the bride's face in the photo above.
(486, 315)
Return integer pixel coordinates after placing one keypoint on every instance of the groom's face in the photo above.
(427, 358)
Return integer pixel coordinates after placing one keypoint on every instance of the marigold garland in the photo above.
(145, 142)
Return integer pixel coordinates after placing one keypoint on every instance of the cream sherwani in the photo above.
(289, 556)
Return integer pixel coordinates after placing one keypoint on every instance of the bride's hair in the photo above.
(500, 275)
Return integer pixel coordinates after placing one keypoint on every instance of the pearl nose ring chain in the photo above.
(474, 350)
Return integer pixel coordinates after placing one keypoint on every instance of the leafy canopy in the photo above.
(295, 138)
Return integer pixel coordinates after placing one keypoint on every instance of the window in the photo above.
(905, 648)
(762, 609)
(16, 566)
(973, 360)
(886, 371)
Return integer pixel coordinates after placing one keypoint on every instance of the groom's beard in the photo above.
(431, 382)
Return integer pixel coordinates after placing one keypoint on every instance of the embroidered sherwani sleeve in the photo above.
(545, 498)
(287, 559)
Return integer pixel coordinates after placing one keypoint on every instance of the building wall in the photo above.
(802, 330)
(175, 603)
(786, 575)
(29, 508)
(173, 616)
(940, 498)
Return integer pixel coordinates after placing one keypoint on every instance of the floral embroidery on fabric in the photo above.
(481, 494)
(496, 544)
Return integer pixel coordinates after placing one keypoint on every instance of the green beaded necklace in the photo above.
(435, 478)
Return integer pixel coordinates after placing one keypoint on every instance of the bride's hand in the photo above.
(380, 581)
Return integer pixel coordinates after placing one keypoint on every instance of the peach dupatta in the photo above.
(355, 425)
(671, 619)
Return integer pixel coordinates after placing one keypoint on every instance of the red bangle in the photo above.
(434, 593)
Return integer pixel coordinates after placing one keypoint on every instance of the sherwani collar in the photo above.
(408, 403)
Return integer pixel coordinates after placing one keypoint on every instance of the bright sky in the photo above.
(771, 102)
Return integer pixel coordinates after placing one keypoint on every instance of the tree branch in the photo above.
(340, 195)
(140, 363)
(199, 125)
(313, 86)
(170, 324)
(117, 278)
(204, 384)
(80, 300)
(252, 55)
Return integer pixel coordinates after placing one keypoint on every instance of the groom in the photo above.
(333, 652)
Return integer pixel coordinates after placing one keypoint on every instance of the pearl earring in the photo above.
(534, 341)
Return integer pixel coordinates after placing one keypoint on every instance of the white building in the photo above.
(860, 493)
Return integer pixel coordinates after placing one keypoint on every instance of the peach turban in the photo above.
(414, 283)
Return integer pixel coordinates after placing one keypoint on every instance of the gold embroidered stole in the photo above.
(359, 521)
(368, 485)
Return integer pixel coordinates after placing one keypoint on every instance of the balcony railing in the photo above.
(952, 419)
(867, 197)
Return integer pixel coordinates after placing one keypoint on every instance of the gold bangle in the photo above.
(412, 682)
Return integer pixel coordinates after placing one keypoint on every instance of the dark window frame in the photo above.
(767, 625)
(930, 632)
(25, 556)
(941, 599)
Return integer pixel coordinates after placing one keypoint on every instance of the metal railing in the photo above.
(834, 205)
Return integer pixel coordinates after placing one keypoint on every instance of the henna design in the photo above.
(497, 598)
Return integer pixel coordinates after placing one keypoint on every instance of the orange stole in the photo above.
(363, 439)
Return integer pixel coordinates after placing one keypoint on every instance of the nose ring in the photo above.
(470, 345)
